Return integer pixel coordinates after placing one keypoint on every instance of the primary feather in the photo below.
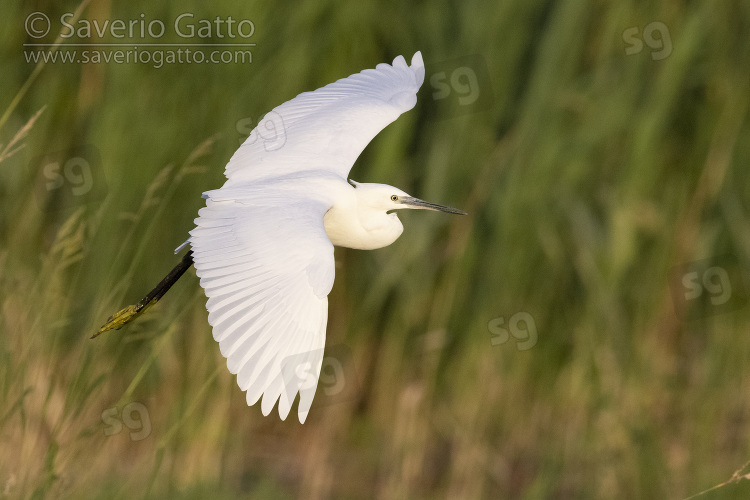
(327, 129)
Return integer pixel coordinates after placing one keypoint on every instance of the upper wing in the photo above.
(327, 129)
(267, 270)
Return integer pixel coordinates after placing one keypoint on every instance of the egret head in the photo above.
(389, 198)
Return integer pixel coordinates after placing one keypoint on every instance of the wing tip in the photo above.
(400, 62)
(416, 60)
(302, 415)
(417, 67)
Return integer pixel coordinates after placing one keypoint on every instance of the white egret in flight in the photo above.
(263, 245)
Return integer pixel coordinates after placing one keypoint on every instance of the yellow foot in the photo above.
(120, 319)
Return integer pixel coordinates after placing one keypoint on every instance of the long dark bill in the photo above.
(125, 316)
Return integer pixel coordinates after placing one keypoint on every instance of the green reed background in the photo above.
(590, 175)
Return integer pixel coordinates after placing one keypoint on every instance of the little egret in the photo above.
(263, 245)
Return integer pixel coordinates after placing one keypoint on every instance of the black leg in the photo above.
(125, 316)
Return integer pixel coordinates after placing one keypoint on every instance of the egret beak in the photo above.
(417, 203)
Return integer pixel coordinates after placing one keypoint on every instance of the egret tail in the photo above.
(125, 316)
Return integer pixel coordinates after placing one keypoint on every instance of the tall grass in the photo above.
(591, 176)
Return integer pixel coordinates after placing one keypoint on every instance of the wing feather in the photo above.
(329, 127)
(267, 271)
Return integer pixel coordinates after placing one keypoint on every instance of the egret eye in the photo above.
(394, 198)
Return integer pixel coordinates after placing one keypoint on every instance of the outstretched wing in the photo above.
(267, 269)
(327, 129)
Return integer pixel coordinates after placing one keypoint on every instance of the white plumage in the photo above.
(263, 247)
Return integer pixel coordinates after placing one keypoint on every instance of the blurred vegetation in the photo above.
(592, 174)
